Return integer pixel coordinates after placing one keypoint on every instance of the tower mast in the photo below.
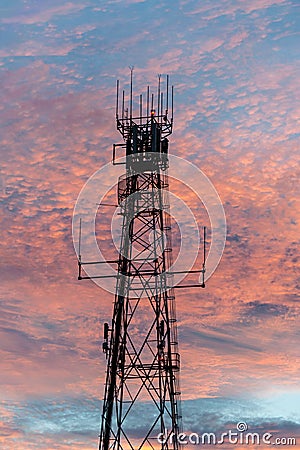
(141, 345)
(142, 368)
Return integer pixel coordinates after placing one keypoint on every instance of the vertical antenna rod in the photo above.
(79, 246)
(131, 77)
(79, 251)
(148, 98)
(204, 256)
(158, 95)
(172, 103)
(167, 101)
(117, 101)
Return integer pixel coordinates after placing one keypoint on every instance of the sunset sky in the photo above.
(235, 67)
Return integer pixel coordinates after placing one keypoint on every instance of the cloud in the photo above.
(57, 421)
(217, 341)
(237, 39)
(45, 14)
(236, 118)
(229, 8)
(257, 309)
(35, 48)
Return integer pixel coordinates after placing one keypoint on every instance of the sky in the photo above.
(235, 69)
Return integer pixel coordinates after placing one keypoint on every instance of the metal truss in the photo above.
(143, 359)
(142, 393)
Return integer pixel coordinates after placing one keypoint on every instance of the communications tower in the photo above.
(142, 394)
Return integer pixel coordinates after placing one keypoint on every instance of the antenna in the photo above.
(204, 256)
(131, 77)
(134, 128)
(148, 95)
(167, 105)
(117, 101)
(172, 103)
(79, 245)
(158, 95)
(79, 252)
(204, 245)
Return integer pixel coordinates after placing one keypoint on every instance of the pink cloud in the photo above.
(35, 48)
(211, 44)
(258, 4)
(246, 330)
(45, 14)
(236, 39)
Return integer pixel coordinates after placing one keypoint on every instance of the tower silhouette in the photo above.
(142, 393)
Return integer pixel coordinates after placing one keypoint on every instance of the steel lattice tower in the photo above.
(141, 346)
